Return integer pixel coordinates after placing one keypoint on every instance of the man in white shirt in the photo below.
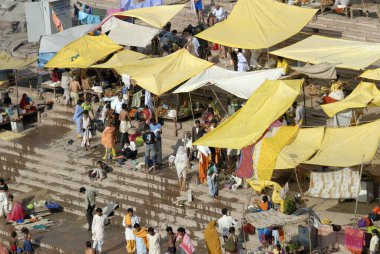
(374, 244)
(225, 223)
(218, 12)
(299, 113)
(117, 103)
(154, 241)
(100, 220)
(65, 84)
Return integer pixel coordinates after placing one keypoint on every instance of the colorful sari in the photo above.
(187, 244)
(17, 212)
(212, 239)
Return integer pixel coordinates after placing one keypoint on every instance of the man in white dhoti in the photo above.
(98, 223)
(129, 220)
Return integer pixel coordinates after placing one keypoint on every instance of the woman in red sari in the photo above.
(26, 103)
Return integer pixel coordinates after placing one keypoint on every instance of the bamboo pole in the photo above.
(304, 99)
(191, 106)
(217, 98)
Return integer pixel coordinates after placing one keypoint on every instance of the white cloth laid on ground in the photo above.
(341, 183)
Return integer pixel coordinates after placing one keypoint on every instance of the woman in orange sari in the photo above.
(212, 239)
(204, 155)
(108, 140)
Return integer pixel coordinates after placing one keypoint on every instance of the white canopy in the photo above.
(241, 84)
(55, 42)
(128, 34)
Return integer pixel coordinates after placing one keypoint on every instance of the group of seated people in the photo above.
(11, 111)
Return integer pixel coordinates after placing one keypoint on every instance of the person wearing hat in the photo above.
(374, 244)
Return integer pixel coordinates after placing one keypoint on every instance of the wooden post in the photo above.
(176, 117)
(191, 106)
(30, 85)
(15, 76)
(304, 99)
(219, 101)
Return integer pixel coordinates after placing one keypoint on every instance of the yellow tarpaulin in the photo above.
(365, 94)
(83, 52)
(306, 143)
(373, 74)
(346, 147)
(271, 100)
(315, 49)
(259, 185)
(156, 16)
(120, 59)
(7, 62)
(270, 148)
(256, 24)
(159, 75)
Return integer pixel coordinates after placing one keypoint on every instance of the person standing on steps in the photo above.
(171, 240)
(157, 130)
(100, 220)
(225, 223)
(150, 149)
(153, 241)
(129, 221)
(89, 249)
(90, 203)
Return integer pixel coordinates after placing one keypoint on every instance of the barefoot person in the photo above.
(171, 240)
(181, 163)
(86, 122)
(89, 249)
(153, 241)
(129, 220)
(100, 220)
(108, 141)
(90, 202)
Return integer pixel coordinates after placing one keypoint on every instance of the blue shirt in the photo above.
(156, 129)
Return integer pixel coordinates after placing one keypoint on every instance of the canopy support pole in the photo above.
(357, 192)
(304, 99)
(16, 84)
(191, 106)
(217, 98)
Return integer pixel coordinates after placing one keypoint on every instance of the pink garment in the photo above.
(17, 212)
(354, 240)
(113, 10)
(187, 244)
(245, 169)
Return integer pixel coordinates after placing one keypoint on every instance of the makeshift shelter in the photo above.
(346, 147)
(364, 95)
(320, 71)
(306, 143)
(8, 62)
(156, 16)
(257, 24)
(373, 74)
(159, 75)
(316, 49)
(246, 126)
(240, 84)
(128, 34)
(83, 52)
(121, 58)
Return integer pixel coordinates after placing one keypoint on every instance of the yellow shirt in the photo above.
(284, 65)
(87, 107)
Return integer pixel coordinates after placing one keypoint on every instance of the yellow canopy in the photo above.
(365, 94)
(246, 126)
(316, 49)
(373, 74)
(120, 59)
(346, 147)
(159, 75)
(83, 52)
(256, 24)
(7, 62)
(156, 16)
(304, 146)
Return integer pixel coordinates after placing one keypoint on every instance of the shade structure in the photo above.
(55, 42)
(317, 49)
(305, 145)
(128, 34)
(257, 24)
(83, 52)
(271, 100)
(373, 74)
(365, 94)
(8, 62)
(240, 84)
(159, 75)
(347, 147)
(320, 71)
(120, 59)
(156, 16)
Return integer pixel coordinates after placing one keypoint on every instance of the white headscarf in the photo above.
(181, 161)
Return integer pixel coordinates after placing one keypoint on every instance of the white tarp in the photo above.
(241, 84)
(55, 42)
(128, 34)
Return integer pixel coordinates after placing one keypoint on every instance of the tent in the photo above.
(83, 52)
(55, 42)
(156, 16)
(128, 34)
(346, 147)
(373, 74)
(241, 84)
(246, 126)
(120, 59)
(306, 143)
(257, 24)
(321, 71)
(365, 94)
(316, 49)
(159, 75)
(8, 62)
